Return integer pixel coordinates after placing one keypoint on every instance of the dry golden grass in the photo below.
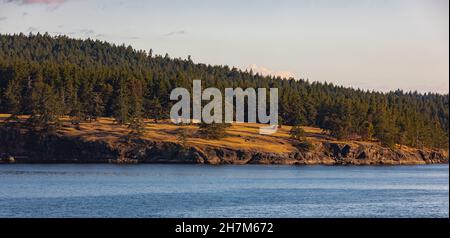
(243, 136)
(239, 136)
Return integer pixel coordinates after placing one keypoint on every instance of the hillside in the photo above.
(87, 79)
(106, 142)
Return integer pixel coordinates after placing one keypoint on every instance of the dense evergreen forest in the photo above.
(46, 77)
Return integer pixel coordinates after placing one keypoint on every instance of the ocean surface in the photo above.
(223, 191)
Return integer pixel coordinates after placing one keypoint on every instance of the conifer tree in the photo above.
(121, 112)
(136, 125)
(13, 99)
(154, 110)
(95, 107)
(45, 107)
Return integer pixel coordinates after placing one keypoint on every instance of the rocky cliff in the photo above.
(22, 146)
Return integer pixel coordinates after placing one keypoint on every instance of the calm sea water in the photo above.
(223, 191)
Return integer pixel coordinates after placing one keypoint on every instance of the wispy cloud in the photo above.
(45, 2)
(3, 18)
(172, 33)
(269, 72)
(52, 4)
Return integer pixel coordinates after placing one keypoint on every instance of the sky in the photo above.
(377, 45)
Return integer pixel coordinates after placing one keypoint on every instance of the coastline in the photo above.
(19, 145)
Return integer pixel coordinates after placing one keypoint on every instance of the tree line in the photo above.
(45, 77)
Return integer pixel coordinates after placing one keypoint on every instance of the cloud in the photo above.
(45, 2)
(182, 32)
(3, 18)
(268, 72)
(52, 4)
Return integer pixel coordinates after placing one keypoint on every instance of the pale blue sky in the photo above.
(370, 44)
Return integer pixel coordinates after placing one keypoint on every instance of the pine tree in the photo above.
(46, 107)
(154, 110)
(95, 107)
(136, 125)
(367, 130)
(121, 106)
(383, 129)
(13, 99)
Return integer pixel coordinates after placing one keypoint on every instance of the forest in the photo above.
(46, 77)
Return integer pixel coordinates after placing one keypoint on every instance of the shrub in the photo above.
(214, 130)
(297, 133)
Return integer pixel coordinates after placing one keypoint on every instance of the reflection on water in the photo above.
(223, 191)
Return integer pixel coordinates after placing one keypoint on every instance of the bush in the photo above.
(297, 133)
(214, 130)
(300, 142)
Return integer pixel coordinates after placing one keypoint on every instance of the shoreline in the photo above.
(21, 146)
(225, 165)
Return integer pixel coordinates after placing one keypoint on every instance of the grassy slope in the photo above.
(240, 136)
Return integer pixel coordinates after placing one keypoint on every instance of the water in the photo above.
(223, 191)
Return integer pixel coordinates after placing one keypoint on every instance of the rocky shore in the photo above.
(22, 146)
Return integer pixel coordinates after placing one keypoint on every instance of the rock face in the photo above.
(21, 146)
